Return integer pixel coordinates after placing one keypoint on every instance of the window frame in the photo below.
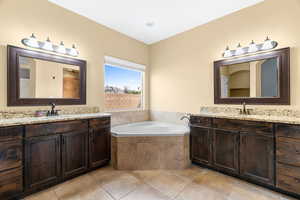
(127, 65)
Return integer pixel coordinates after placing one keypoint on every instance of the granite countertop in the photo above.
(262, 118)
(38, 120)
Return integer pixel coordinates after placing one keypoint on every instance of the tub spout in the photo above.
(186, 116)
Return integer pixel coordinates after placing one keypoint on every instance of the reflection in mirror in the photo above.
(45, 79)
(250, 79)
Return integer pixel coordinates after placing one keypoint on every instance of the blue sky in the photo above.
(120, 77)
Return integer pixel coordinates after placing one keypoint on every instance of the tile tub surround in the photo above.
(172, 117)
(149, 153)
(265, 114)
(125, 117)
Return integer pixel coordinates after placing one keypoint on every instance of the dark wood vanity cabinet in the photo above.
(257, 157)
(288, 157)
(11, 167)
(43, 161)
(201, 151)
(74, 153)
(52, 153)
(99, 142)
(226, 150)
(238, 147)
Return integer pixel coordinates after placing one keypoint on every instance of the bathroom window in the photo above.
(123, 84)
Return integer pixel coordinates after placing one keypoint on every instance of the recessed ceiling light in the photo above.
(150, 24)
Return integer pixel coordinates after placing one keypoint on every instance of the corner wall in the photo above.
(20, 18)
(182, 66)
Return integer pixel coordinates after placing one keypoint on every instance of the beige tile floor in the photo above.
(194, 183)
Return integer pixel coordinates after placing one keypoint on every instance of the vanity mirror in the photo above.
(37, 78)
(256, 79)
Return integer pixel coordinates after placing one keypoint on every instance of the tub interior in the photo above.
(150, 128)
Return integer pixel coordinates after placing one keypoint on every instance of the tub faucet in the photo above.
(186, 116)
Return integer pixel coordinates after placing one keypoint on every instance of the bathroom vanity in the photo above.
(36, 155)
(260, 151)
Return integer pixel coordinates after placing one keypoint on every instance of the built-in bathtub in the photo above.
(150, 145)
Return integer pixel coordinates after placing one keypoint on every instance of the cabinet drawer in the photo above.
(11, 133)
(11, 183)
(242, 125)
(288, 178)
(100, 122)
(10, 154)
(54, 128)
(200, 121)
(285, 130)
(288, 151)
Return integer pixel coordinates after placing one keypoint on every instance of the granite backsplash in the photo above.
(293, 112)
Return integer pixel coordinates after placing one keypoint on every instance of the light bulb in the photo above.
(227, 52)
(267, 44)
(61, 48)
(73, 51)
(239, 51)
(32, 41)
(252, 47)
(48, 45)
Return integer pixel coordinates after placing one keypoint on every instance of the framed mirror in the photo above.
(255, 79)
(37, 78)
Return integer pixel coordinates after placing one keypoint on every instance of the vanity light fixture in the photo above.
(239, 51)
(32, 41)
(61, 48)
(267, 44)
(49, 46)
(252, 48)
(227, 52)
(73, 51)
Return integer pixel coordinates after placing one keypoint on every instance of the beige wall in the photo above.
(20, 18)
(182, 66)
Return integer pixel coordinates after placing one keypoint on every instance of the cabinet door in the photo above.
(11, 154)
(42, 161)
(226, 150)
(74, 153)
(99, 147)
(200, 140)
(11, 183)
(257, 157)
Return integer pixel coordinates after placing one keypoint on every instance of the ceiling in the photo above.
(150, 21)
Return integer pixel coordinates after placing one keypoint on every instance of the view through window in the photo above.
(123, 88)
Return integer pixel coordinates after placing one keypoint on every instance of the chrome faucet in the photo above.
(244, 110)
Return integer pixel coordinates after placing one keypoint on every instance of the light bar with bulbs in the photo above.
(48, 46)
(252, 48)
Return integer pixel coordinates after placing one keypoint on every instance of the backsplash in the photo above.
(19, 113)
(125, 117)
(171, 117)
(254, 110)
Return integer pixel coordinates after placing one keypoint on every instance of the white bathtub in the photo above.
(150, 128)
